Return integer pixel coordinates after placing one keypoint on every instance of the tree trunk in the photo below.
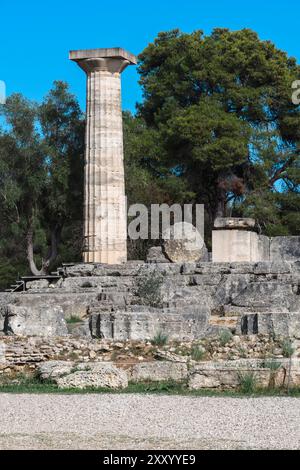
(52, 250)
(221, 203)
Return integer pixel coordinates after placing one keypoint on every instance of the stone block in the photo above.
(94, 375)
(83, 375)
(275, 267)
(182, 242)
(144, 323)
(226, 375)
(278, 324)
(238, 223)
(234, 245)
(264, 247)
(156, 255)
(35, 320)
(268, 296)
(158, 371)
(285, 249)
(36, 285)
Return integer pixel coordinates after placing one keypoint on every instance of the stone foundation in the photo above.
(190, 301)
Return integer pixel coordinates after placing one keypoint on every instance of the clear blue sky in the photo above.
(37, 35)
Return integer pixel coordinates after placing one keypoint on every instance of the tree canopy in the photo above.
(221, 108)
(41, 172)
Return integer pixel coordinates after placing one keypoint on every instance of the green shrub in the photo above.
(197, 353)
(73, 319)
(287, 348)
(159, 339)
(148, 288)
(242, 352)
(247, 382)
(225, 337)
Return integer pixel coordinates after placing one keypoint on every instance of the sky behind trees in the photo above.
(37, 36)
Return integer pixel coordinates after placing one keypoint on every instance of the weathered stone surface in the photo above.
(163, 355)
(39, 284)
(190, 293)
(276, 323)
(2, 352)
(80, 269)
(72, 302)
(158, 371)
(131, 268)
(225, 375)
(237, 246)
(275, 267)
(146, 322)
(242, 268)
(80, 329)
(234, 223)
(263, 245)
(183, 243)
(156, 255)
(35, 320)
(285, 249)
(96, 375)
(230, 287)
(83, 375)
(53, 369)
(266, 295)
(228, 374)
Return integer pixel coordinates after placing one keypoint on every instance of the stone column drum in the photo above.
(105, 222)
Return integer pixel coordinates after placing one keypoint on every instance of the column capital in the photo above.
(113, 60)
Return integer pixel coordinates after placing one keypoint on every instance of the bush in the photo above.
(148, 288)
(160, 339)
(197, 353)
(287, 348)
(225, 337)
(73, 319)
(247, 382)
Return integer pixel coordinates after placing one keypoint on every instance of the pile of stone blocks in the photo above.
(196, 298)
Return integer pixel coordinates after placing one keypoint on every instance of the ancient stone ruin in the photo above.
(248, 288)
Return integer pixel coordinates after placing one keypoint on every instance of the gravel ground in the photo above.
(147, 422)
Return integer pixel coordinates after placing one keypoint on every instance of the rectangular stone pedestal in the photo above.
(236, 245)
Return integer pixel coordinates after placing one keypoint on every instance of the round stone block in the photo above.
(182, 242)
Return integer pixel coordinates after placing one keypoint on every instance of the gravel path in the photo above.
(147, 422)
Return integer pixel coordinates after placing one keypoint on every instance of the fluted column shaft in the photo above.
(105, 228)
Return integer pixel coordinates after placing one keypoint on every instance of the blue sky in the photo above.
(37, 35)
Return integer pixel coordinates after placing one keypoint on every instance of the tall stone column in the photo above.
(105, 224)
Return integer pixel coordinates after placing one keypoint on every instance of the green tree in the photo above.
(41, 159)
(222, 110)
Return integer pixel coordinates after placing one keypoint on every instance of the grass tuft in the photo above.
(197, 353)
(225, 337)
(73, 319)
(247, 383)
(287, 348)
(160, 339)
